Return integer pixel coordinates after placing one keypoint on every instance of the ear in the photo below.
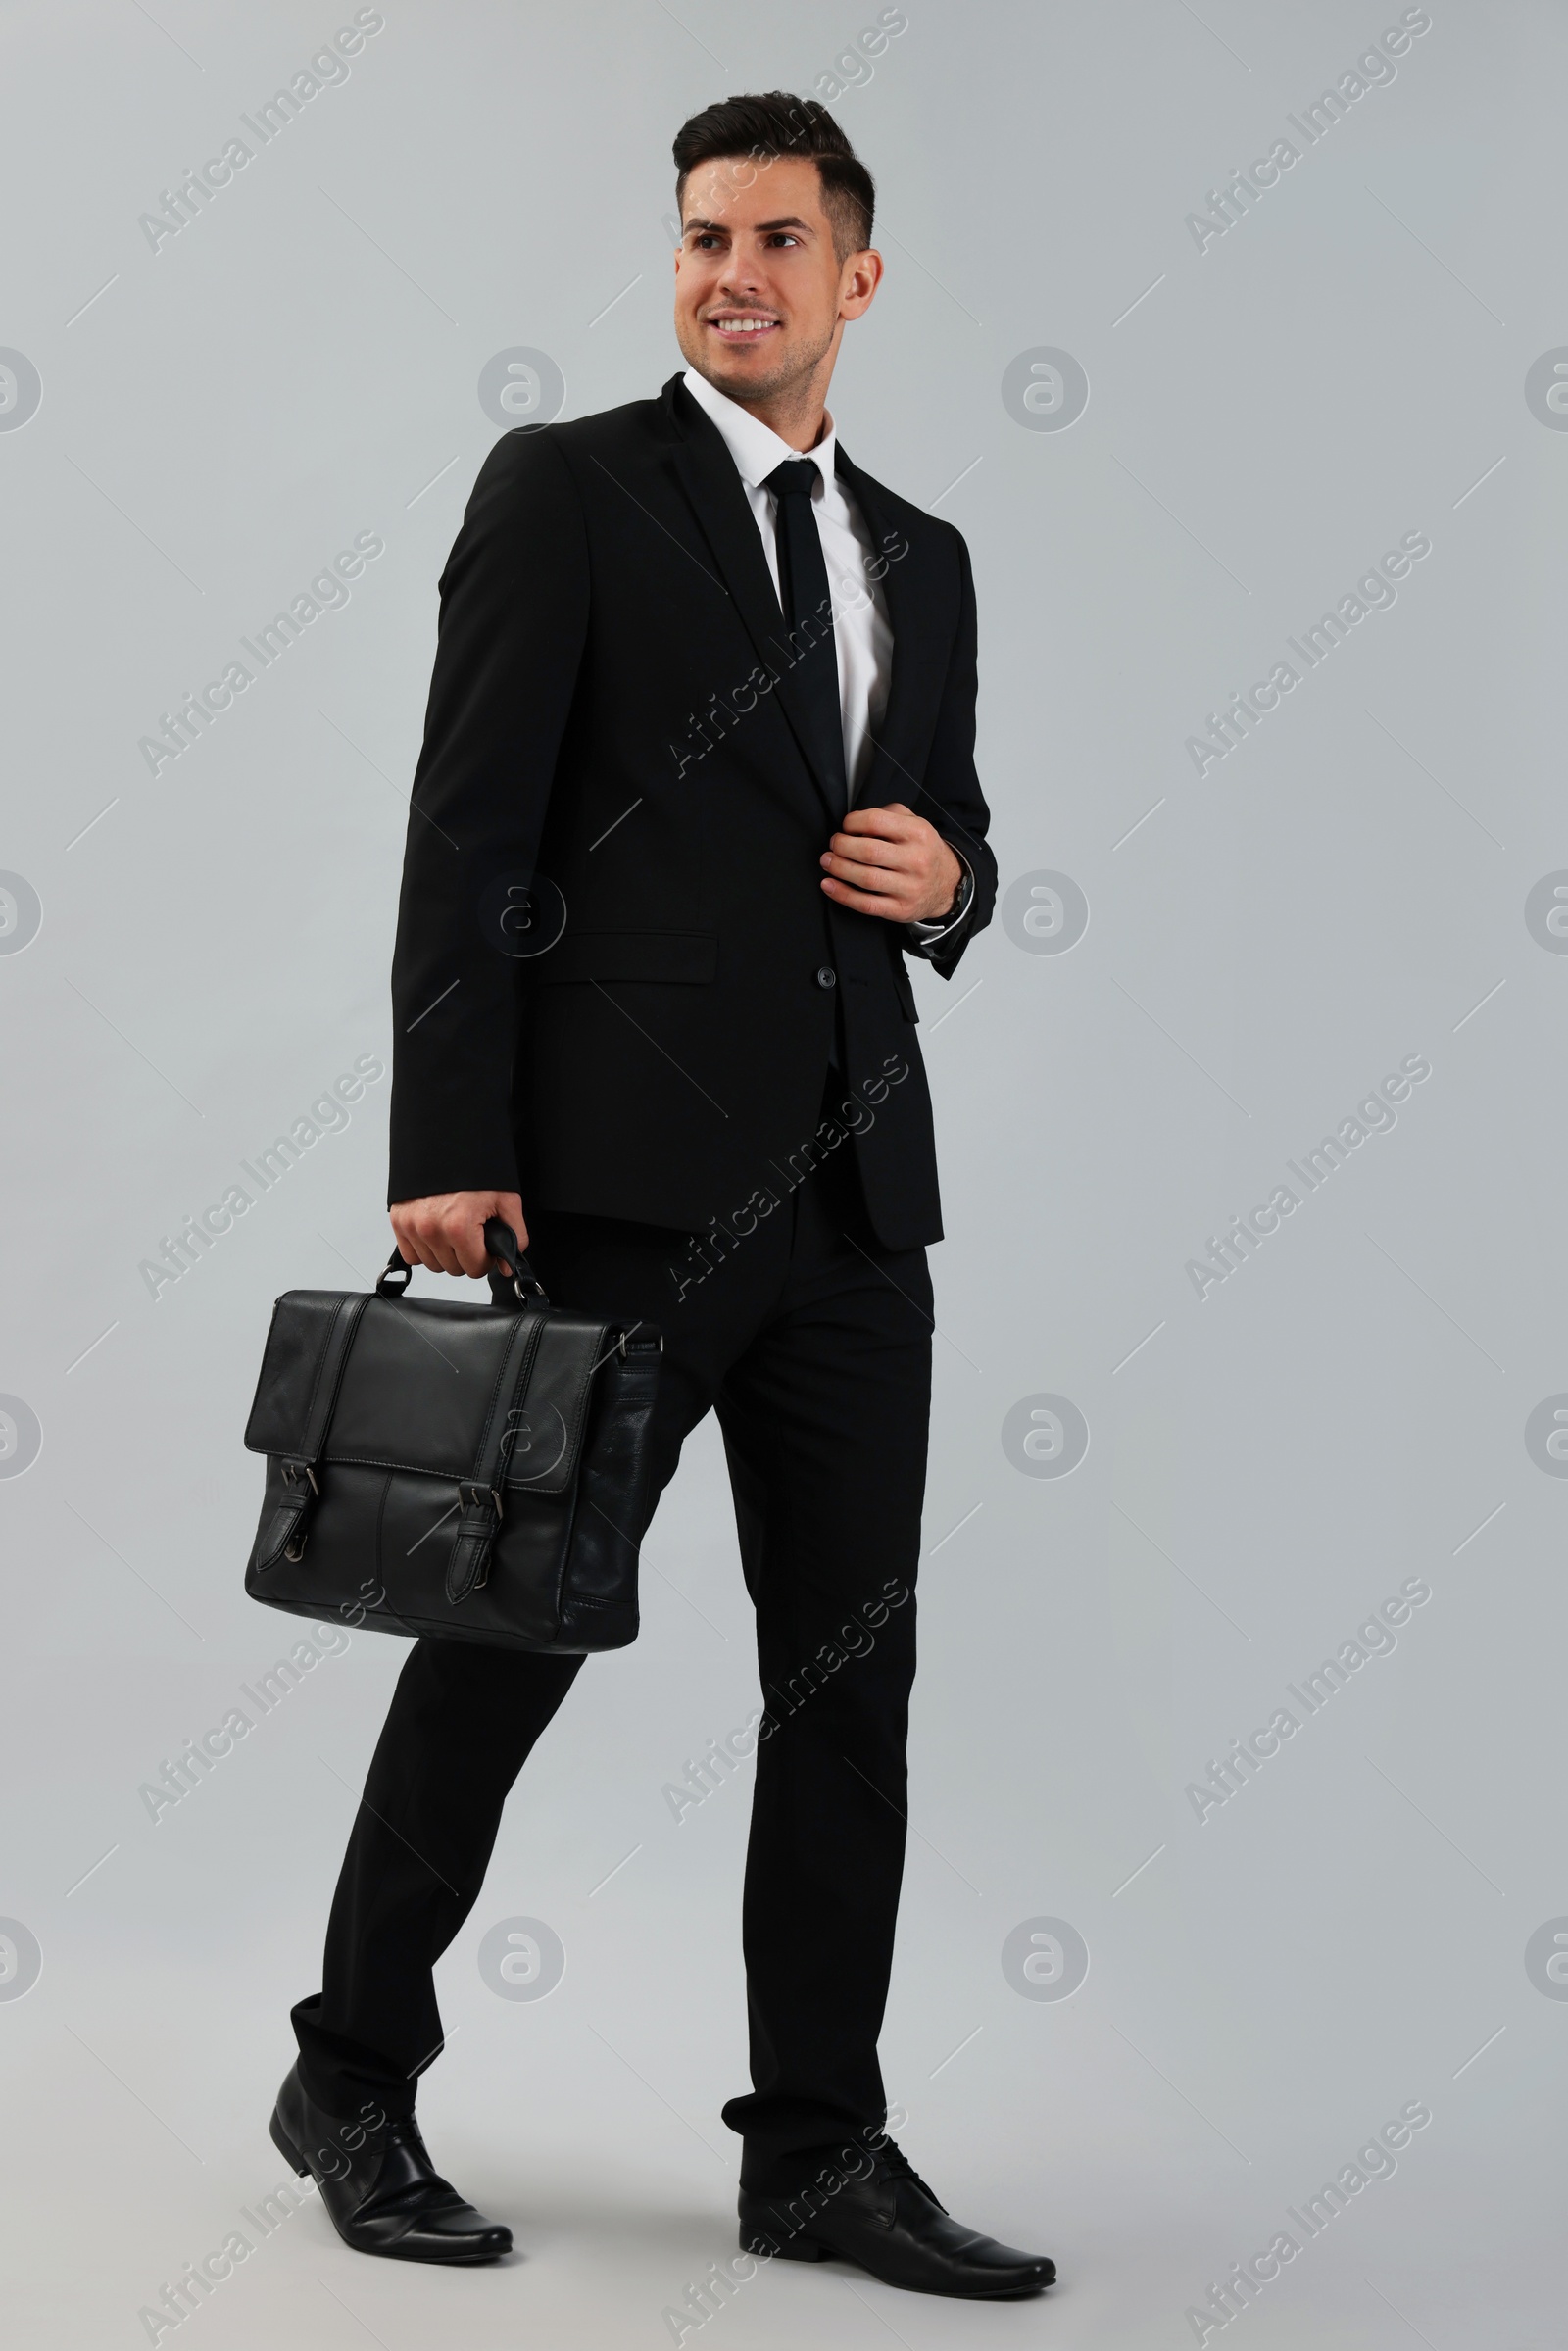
(858, 282)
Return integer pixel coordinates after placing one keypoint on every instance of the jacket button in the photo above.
(827, 976)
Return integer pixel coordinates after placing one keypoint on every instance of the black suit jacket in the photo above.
(613, 710)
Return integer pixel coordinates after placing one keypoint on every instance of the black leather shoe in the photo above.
(380, 2189)
(891, 2223)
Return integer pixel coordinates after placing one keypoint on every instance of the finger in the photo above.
(434, 1250)
(468, 1245)
(863, 901)
(871, 881)
(453, 1249)
(895, 822)
(409, 1246)
(878, 857)
(871, 871)
(869, 850)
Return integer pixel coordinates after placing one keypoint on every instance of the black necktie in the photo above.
(807, 607)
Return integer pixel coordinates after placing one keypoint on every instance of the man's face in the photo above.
(760, 296)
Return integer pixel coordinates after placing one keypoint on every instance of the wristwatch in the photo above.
(925, 933)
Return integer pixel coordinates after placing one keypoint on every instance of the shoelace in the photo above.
(403, 2131)
(898, 2163)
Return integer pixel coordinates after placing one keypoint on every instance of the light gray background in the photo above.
(1346, 889)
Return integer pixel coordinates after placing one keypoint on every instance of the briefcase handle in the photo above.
(516, 1282)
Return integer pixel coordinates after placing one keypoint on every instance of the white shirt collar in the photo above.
(755, 446)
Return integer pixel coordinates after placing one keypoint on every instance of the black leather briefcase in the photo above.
(475, 1473)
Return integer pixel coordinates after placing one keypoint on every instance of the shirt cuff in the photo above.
(924, 935)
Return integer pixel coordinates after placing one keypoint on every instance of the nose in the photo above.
(742, 280)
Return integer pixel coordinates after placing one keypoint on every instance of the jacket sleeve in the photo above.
(952, 799)
(513, 621)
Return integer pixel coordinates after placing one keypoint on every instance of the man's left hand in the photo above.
(891, 862)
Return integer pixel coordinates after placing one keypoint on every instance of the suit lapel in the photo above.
(920, 655)
(716, 495)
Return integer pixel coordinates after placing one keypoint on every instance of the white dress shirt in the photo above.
(862, 633)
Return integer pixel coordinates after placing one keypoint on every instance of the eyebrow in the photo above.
(788, 220)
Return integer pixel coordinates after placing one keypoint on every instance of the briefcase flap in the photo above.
(420, 1383)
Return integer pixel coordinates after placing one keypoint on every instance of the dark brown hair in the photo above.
(763, 128)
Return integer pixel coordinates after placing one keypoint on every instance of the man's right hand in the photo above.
(445, 1232)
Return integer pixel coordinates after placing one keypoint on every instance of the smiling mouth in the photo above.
(755, 329)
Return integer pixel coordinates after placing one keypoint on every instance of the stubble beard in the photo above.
(791, 372)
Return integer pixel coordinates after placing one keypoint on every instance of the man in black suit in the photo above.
(698, 774)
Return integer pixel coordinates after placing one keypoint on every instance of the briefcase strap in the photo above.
(290, 1522)
(479, 1495)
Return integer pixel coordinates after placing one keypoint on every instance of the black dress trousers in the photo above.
(813, 1344)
